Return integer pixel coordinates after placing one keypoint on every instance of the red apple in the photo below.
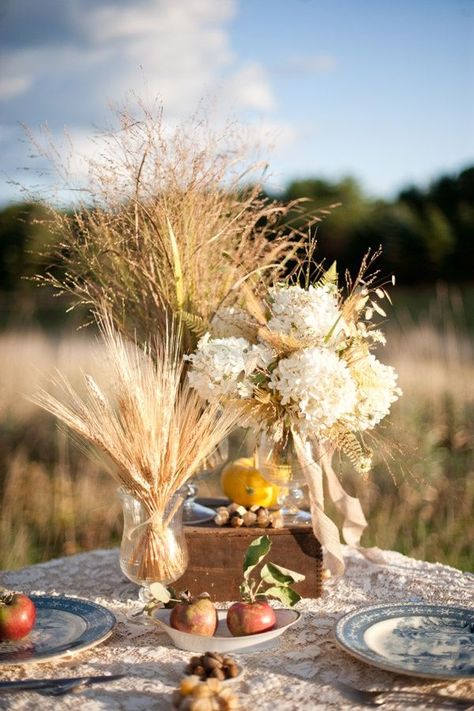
(17, 616)
(197, 616)
(250, 618)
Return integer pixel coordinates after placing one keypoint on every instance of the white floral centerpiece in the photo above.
(298, 363)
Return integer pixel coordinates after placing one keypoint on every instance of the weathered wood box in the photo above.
(216, 556)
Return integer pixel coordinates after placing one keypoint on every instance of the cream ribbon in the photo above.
(326, 530)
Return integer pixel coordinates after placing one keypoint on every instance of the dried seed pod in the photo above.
(276, 519)
(249, 518)
(233, 507)
(200, 671)
(215, 655)
(222, 509)
(188, 684)
(236, 520)
(218, 673)
(202, 704)
(228, 700)
(254, 508)
(263, 518)
(232, 670)
(221, 519)
(201, 691)
(209, 663)
(214, 685)
(226, 693)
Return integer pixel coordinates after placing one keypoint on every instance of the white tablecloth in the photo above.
(296, 676)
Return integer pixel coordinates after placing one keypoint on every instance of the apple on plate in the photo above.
(250, 618)
(253, 614)
(17, 616)
(196, 615)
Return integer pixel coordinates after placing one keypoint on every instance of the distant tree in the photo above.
(455, 198)
(425, 234)
(334, 232)
(23, 235)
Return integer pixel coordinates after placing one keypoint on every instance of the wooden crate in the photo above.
(216, 556)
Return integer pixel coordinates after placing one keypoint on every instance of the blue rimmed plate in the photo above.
(419, 639)
(64, 625)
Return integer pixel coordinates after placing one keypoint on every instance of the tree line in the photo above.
(426, 234)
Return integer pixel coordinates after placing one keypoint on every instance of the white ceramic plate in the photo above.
(64, 626)
(223, 641)
(418, 639)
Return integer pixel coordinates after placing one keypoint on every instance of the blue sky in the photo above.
(378, 89)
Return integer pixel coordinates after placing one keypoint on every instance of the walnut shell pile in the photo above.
(213, 665)
(210, 695)
(235, 516)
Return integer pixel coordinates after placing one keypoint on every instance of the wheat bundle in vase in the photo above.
(155, 430)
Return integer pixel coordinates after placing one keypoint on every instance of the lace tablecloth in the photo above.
(297, 675)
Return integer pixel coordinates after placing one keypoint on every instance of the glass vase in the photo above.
(153, 547)
(279, 464)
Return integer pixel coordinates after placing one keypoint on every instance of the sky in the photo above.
(379, 89)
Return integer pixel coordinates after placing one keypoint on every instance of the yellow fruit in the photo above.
(244, 484)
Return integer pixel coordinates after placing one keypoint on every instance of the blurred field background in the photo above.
(420, 496)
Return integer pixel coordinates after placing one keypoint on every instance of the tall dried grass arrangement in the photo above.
(172, 222)
(153, 427)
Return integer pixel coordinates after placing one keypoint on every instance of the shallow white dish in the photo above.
(223, 641)
(418, 639)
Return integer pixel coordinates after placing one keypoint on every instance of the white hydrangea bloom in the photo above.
(221, 366)
(317, 388)
(305, 314)
(376, 391)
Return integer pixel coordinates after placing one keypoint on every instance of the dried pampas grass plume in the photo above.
(173, 222)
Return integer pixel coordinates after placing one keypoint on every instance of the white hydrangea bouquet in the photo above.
(297, 362)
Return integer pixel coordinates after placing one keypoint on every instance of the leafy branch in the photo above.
(275, 581)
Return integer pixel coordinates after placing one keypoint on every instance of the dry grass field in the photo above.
(419, 499)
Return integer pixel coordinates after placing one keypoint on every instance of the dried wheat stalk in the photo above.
(153, 427)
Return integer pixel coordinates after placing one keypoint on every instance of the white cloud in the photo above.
(14, 85)
(178, 50)
(249, 88)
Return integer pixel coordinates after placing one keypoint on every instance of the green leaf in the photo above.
(160, 593)
(278, 575)
(259, 379)
(256, 552)
(332, 329)
(286, 595)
